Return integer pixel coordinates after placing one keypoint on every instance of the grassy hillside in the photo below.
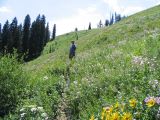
(113, 64)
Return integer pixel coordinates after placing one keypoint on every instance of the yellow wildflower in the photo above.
(151, 102)
(127, 116)
(103, 113)
(108, 112)
(108, 116)
(115, 116)
(92, 118)
(109, 109)
(133, 103)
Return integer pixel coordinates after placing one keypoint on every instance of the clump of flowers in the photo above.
(138, 60)
(33, 112)
(132, 109)
(141, 61)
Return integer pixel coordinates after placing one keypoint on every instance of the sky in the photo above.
(70, 14)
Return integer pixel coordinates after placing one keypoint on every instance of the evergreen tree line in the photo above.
(114, 18)
(29, 39)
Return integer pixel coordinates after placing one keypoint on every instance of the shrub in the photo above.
(12, 84)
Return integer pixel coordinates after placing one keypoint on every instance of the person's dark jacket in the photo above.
(72, 51)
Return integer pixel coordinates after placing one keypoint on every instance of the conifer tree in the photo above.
(47, 33)
(19, 43)
(43, 30)
(32, 46)
(89, 27)
(111, 20)
(6, 37)
(117, 17)
(54, 32)
(26, 34)
(106, 22)
(38, 37)
(76, 29)
(100, 24)
(12, 43)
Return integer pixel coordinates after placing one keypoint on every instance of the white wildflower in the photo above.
(62, 76)
(40, 109)
(75, 82)
(138, 60)
(44, 115)
(45, 78)
(33, 110)
(155, 82)
(22, 115)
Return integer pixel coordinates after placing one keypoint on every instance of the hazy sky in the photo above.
(68, 14)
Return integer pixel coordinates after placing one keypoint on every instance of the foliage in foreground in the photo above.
(12, 84)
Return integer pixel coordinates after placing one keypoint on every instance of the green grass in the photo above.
(103, 71)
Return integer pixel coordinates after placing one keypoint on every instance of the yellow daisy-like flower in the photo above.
(151, 102)
(127, 116)
(133, 103)
(109, 109)
(92, 117)
(115, 116)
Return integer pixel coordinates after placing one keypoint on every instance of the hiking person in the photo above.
(72, 50)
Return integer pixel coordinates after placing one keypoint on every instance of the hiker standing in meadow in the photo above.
(72, 50)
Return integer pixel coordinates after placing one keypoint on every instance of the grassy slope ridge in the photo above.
(134, 27)
(103, 69)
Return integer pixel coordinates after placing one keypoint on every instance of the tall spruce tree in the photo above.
(47, 33)
(42, 27)
(117, 17)
(111, 20)
(54, 32)
(106, 22)
(32, 46)
(100, 24)
(26, 34)
(89, 27)
(19, 43)
(6, 37)
(12, 43)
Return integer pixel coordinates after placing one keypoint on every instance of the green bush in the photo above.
(12, 84)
